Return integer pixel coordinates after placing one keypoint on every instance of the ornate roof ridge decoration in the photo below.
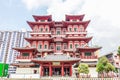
(80, 17)
(42, 17)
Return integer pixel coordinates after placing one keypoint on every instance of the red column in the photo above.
(62, 70)
(41, 70)
(50, 70)
(70, 70)
(36, 44)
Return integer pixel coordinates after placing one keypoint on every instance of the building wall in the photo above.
(9, 40)
(26, 70)
(93, 72)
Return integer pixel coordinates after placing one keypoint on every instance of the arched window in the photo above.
(81, 28)
(45, 47)
(41, 29)
(40, 46)
(46, 29)
(70, 29)
(75, 29)
(76, 45)
(70, 46)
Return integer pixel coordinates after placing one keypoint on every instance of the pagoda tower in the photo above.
(55, 46)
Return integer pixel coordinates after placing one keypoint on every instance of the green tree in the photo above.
(83, 68)
(119, 58)
(104, 66)
(118, 51)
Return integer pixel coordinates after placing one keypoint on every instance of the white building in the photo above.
(9, 40)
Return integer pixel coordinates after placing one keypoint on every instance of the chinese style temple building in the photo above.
(56, 46)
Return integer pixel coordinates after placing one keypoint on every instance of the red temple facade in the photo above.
(56, 46)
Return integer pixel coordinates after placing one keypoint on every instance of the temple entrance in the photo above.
(56, 71)
(46, 71)
(66, 71)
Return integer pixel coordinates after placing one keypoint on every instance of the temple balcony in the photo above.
(86, 39)
(39, 33)
(69, 50)
(38, 38)
(58, 25)
(45, 50)
(89, 58)
(85, 32)
(88, 48)
(58, 39)
(24, 58)
(56, 35)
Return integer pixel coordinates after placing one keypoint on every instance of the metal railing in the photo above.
(60, 78)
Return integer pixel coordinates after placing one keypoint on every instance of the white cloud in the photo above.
(104, 15)
(34, 4)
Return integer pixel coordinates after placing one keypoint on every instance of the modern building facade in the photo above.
(10, 39)
(56, 46)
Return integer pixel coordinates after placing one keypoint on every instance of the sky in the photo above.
(104, 16)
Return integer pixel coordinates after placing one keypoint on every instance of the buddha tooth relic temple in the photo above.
(56, 46)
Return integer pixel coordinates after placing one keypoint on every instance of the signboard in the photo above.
(55, 63)
(3, 70)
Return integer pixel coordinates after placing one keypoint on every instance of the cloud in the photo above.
(104, 16)
(34, 4)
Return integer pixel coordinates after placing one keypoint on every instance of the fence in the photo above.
(56, 78)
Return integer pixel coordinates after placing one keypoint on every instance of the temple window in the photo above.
(76, 45)
(46, 29)
(65, 46)
(88, 54)
(58, 48)
(25, 54)
(70, 46)
(45, 47)
(40, 46)
(42, 20)
(74, 20)
(58, 32)
(75, 29)
(81, 28)
(39, 56)
(51, 47)
(41, 29)
(70, 29)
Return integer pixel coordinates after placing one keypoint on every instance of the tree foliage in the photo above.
(104, 65)
(83, 68)
(118, 51)
(109, 67)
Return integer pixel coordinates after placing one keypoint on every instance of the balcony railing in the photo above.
(40, 33)
(58, 39)
(24, 57)
(85, 32)
(88, 57)
(58, 35)
(33, 77)
(45, 50)
(73, 50)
